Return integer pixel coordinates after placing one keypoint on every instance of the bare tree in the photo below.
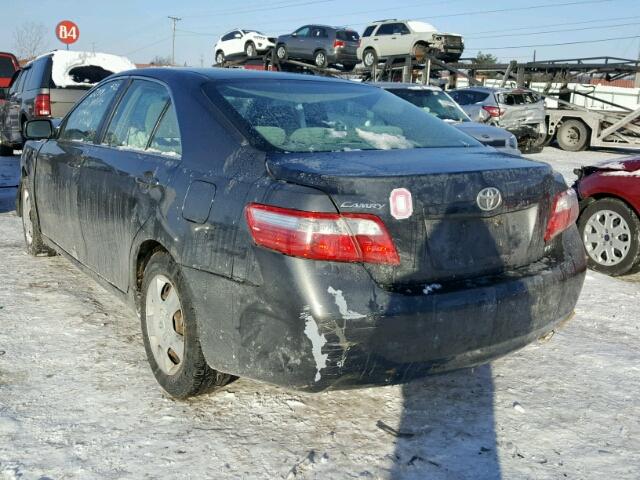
(29, 40)
(160, 61)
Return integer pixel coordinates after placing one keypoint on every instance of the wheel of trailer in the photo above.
(170, 332)
(281, 52)
(369, 58)
(250, 49)
(573, 136)
(31, 228)
(320, 59)
(219, 57)
(610, 231)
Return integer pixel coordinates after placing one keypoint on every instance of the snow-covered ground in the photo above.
(77, 399)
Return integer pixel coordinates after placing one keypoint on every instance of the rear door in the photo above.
(317, 40)
(124, 177)
(58, 169)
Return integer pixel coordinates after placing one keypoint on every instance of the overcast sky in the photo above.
(141, 30)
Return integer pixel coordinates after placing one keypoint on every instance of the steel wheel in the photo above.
(607, 238)
(27, 223)
(165, 324)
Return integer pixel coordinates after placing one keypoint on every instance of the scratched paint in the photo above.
(317, 342)
(343, 308)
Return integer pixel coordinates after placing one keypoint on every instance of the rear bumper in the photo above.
(314, 326)
(343, 56)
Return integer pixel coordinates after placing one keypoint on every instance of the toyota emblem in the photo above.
(489, 199)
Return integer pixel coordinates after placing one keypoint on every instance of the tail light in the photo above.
(322, 236)
(493, 111)
(338, 43)
(563, 214)
(42, 105)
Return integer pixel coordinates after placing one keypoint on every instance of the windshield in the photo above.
(321, 116)
(253, 31)
(434, 102)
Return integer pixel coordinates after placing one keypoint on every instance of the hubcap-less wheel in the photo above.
(165, 325)
(369, 59)
(607, 238)
(26, 216)
(571, 136)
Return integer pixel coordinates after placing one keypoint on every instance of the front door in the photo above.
(58, 169)
(125, 177)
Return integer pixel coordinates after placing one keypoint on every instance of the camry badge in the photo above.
(489, 199)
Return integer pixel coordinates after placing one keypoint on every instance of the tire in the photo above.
(6, 151)
(220, 57)
(250, 50)
(33, 241)
(419, 51)
(369, 58)
(573, 136)
(320, 59)
(171, 338)
(281, 53)
(610, 231)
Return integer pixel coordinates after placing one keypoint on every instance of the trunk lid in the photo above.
(448, 236)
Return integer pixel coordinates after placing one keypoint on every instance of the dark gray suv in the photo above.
(323, 45)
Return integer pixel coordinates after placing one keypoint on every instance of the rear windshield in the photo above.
(468, 97)
(347, 35)
(318, 116)
(6, 67)
(434, 102)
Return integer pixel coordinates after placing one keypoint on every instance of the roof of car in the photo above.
(217, 74)
(405, 86)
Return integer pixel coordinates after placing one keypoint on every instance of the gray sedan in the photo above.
(439, 103)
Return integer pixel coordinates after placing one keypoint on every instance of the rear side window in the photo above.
(83, 122)
(166, 139)
(136, 118)
(347, 35)
(368, 31)
(468, 97)
(40, 74)
(511, 99)
(319, 33)
(393, 29)
(6, 67)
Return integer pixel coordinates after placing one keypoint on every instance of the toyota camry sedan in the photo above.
(311, 233)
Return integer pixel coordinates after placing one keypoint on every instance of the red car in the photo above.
(8, 66)
(609, 215)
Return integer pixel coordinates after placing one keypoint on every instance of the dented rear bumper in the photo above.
(316, 325)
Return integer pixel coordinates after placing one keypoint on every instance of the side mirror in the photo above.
(39, 129)
(294, 34)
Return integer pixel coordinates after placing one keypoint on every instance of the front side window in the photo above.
(315, 116)
(302, 32)
(137, 115)
(83, 122)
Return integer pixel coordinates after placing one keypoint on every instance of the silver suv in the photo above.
(388, 38)
(518, 110)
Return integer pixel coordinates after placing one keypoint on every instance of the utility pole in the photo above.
(173, 44)
(637, 79)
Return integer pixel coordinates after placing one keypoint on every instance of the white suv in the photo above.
(388, 38)
(241, 42)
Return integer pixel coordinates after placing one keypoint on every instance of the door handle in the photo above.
(147, 180)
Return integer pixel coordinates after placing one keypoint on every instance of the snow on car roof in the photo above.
(65, 62)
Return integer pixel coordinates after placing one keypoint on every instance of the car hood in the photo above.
(483, 132)
(631, 164)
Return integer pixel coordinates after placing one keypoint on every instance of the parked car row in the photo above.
(48, 87)
(325, 45)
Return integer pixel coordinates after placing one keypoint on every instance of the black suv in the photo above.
(323, 45)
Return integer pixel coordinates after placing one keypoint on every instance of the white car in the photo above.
(389, 38)
(242, 42)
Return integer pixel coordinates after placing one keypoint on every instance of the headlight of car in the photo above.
(512, 142)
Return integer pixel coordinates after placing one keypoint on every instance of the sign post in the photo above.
(67, 32)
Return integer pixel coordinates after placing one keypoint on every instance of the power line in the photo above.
(144, 47)
(635, 24)
(554, 25)
(555, 44)
(277, 6)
